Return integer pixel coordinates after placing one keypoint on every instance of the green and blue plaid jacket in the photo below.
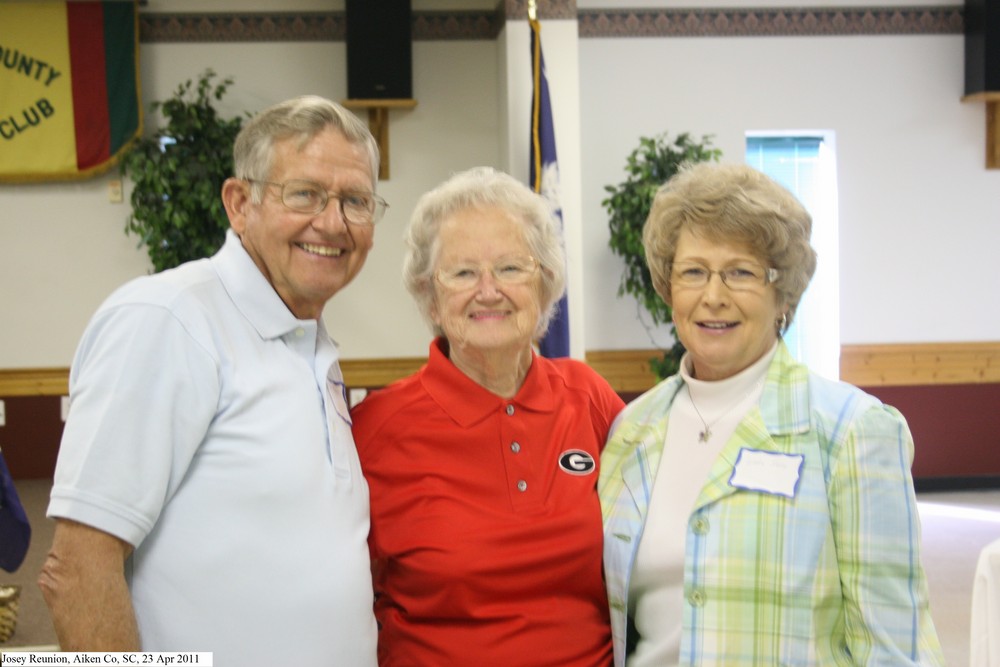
(831, 576)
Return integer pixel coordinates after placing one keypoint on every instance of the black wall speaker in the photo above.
(379, 49)
(982, 46)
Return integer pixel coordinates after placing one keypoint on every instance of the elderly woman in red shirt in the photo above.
(486, 528)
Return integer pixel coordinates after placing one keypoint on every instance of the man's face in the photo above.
(306, 257)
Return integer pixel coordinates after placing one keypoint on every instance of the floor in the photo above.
(956, 527)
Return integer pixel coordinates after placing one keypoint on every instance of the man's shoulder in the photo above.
(187, 302)
(165, 288)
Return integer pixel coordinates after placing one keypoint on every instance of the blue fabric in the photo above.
(544, 176)
(15, 531)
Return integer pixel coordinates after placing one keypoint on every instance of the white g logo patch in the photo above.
(577, 462)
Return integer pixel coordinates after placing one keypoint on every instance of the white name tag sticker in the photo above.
(770, 472)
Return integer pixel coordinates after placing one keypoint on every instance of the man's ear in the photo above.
(236, 199)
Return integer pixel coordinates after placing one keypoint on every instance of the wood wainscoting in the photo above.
(904, 364)
(948, 392)
(910, 364)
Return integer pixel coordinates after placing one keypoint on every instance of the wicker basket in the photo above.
(9, 597)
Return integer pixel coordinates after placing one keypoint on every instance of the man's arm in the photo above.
(83, 583)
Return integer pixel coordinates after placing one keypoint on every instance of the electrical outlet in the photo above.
(115, 191)
(3, 414)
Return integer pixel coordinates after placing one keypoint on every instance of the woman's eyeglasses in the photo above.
(737, 277)
(506, 271)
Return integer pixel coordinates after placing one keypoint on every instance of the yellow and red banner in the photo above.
(69, 87)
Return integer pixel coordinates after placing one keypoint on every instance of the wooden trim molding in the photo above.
(910, 364)
(901, 364)
(357, 373)
(34, 382)
(627, 371)
(371, 373)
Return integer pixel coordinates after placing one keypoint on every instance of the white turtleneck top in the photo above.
(656, 589)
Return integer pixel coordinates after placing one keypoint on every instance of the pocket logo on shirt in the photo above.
(577, 462)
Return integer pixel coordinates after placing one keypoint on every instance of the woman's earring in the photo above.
(782, 324)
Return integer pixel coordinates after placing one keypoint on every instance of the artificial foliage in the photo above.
(178, 172)
(648, 167)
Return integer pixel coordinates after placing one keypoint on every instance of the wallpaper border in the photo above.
(779, 22)
(593, 23)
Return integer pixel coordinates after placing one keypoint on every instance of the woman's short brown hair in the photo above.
(732, 203)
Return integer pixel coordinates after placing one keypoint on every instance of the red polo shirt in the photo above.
(486, 526)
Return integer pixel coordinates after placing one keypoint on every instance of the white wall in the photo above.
(454, 126)
(63, 246)
(918, 211)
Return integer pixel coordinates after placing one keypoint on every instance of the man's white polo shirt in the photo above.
(203, 431)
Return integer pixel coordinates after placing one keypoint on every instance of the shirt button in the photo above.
(300, 332)
(510, 410)
(697, 598)
(515, 447)
(522, 486)
(700, 526)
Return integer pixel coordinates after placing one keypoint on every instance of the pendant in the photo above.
(703, 436)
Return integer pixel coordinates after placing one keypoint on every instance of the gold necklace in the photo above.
(705, 434)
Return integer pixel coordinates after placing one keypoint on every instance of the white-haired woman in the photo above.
(486, 527)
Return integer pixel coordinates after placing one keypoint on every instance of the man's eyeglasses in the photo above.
(358, 208)
(515, 270)
(739, 277)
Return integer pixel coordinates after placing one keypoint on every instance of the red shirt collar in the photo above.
(467, 402)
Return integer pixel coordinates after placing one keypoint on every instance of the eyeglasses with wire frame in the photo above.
(739, 277)
(514, 270)
(357, 208)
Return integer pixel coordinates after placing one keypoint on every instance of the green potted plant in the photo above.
(648, 167)
(177, 173)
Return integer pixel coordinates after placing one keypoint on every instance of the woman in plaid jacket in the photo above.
(754, 512)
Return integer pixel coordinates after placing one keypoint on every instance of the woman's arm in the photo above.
(877, 531)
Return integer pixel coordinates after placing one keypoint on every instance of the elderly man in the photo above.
(208, 495)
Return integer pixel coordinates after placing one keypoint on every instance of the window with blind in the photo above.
(804, 162)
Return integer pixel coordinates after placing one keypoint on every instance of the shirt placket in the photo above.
(518, 455)
(338, 418)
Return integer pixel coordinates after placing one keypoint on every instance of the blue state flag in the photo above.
(544, 176)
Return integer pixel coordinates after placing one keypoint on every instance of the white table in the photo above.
(985, 646)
